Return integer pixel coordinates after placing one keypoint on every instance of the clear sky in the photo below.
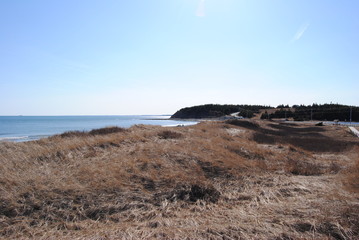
(75, 57)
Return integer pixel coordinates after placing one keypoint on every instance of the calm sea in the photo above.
(26, 128)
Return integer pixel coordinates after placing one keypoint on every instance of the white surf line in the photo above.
(354, 130)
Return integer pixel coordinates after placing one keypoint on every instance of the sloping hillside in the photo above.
(214, 180)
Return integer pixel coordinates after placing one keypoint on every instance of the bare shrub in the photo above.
(298, 167)
(303, 227)
(334, 167)
(195, 192)
(166, 134)
(107, 130)
(71, 134)
(94, 132)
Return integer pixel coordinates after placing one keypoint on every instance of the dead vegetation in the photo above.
(352, 175)
(215, 180)
(310, 138)
(94, 132)
(169, 134)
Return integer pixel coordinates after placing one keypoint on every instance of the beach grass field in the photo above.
(233, 179)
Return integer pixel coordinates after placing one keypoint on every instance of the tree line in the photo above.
(217, 110)
(324, 112)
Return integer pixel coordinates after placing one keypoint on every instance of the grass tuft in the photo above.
(167, 134)
(107, 130)
(94, 132)
(71, 134)
(195, 192)
(298, 167)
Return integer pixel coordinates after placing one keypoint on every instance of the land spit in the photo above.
(216, 180)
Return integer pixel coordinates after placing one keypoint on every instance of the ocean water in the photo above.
(355, 124)
(27, 128)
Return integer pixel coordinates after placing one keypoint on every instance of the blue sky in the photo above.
(114, 57)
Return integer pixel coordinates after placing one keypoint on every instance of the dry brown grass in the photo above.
(94, 132)
(213, 180)
(166, 134)
(351, 178)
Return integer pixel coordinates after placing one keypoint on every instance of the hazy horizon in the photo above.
(155, 57)
(149, 115)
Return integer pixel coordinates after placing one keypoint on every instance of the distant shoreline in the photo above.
(30, 128)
